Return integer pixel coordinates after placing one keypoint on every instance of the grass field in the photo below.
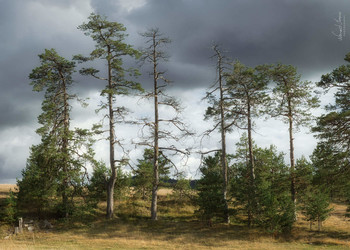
(176, 232)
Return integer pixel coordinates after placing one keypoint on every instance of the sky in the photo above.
(298, 32)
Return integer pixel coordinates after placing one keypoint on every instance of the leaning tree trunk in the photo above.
(155, 182)
(112, 179)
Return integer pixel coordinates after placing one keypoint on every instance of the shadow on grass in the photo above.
(187, 232)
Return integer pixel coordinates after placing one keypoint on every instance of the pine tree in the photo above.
(333, 130)
(57, 165)
(111, 49)
(143, 174)
(293, 101)
(316, 207)
(211, 205)
(273, 209)
(220, 111)
(247, 89)
(164, 131)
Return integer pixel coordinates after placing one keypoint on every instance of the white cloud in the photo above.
(130, 5)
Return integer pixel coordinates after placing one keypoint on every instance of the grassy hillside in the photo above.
(176, 229)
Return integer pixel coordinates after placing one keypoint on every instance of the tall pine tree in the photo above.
(111, 49)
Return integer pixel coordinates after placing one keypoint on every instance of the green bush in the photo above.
(10, 211)
(316, 206)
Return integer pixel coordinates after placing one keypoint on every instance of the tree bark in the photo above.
(113, 177)
(155, 183)
(65, 145)
(251, 163)
(292, 161)
(223, 143)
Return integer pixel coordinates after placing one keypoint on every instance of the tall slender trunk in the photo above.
(250, 146)
(291, 148)
(113, 177)
(65, 146)
(223, 144)
(251, 200)
(155, 183)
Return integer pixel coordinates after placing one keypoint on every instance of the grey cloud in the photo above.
(294, 32)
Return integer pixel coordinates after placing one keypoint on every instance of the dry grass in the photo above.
(5, 188)
(164, 191)
(176, 229)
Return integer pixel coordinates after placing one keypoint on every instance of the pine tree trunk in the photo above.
(292, 161)
(65, 146)
(110, 198)
(223, 146)
(113, 177)
(251, 200)
(319, 225)
(155, 183)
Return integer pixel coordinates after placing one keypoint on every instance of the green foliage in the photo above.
(143, 174)
(293, 97)
(331, 170)
(209, 186)
(39, 185)
(332, 155)
(247, 88)
(316, 206)
(10, 211)
(182, 192)
(303, 175)
(275, 209)
(98, 182)
(272, 207)
(56, 169)
(110, 46)
(111, 49)
(122, 185)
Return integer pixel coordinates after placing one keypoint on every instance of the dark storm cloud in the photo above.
(294, 32)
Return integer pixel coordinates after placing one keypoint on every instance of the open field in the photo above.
(5, 188)
(182, 232)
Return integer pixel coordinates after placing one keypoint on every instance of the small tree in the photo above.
(274, 209)
(97, 184)
(143, 174)
(209, 188)
(182, 190)
(10, 211)
(316, 207)
(303, 176)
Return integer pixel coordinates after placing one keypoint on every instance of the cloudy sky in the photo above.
(298, 32)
